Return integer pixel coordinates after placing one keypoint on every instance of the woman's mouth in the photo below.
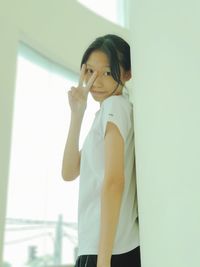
(97, 92)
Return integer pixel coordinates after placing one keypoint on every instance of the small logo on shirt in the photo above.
(110, 114)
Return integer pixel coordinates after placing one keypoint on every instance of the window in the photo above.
(112, 10)
(41, 220)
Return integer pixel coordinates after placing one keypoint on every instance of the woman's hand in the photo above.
(77, 96)
(103, 262)
(103, 265)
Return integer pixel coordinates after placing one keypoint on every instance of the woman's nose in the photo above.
(98, 80)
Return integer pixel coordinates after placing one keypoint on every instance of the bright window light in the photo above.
(112, 10)
(41, 220)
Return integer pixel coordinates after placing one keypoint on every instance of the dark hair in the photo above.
(117, 51)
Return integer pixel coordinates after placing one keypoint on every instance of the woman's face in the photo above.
(104, 84)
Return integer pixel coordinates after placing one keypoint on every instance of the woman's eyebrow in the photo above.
(107, 66)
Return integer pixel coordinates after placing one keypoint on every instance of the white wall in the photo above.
(61, 30)
(166, 67)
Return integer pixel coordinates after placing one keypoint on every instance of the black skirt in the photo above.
(128, 259)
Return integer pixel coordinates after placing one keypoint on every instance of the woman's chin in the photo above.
(97, 96)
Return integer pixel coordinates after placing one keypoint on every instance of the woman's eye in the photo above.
(90, 71)
(107, 73)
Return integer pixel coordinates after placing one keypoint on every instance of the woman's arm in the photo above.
(77, 97)
(112, 191)
(72, 155)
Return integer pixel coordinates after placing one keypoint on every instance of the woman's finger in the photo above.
(91, 81)
(82, 74)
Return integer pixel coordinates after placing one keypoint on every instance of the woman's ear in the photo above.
(127, 75)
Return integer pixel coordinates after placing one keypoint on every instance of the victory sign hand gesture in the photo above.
(77, 96)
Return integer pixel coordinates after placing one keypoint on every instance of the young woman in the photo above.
(108, 232)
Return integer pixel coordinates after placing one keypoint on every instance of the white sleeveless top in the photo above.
(119, 110)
